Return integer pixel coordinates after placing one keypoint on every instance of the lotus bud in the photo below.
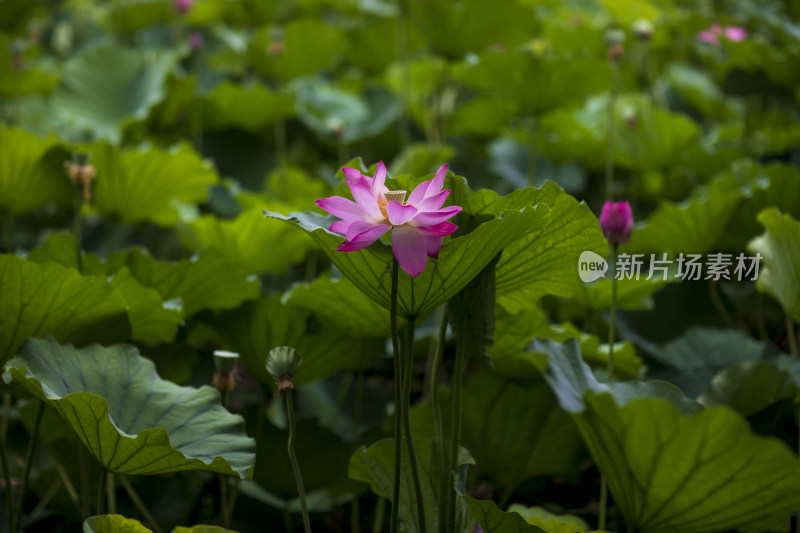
(629, 116)
(642, 29)
(616, 220)
(81, 173)
(17, 50)
(183, 6)
(224, 363)
(335, 126)
(283, 363)
(195, 41)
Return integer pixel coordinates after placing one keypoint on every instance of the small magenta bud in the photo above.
(183, 6)
(283, 363)
(195, 41)
(616, 219)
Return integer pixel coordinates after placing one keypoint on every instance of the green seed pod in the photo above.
(283, 361)
(615, 37)
(225, 361)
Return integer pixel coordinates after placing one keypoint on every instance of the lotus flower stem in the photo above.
(405, 76)
(111, 493)
(790, 335)
(394, 524)
(412, 454)
(444, 475)
(713, 292)
(28, 463)
(455, 437)
(610, 123)
(101, 492)
(612, 327)
(377, 519)
(289, 395)
(355, 522)
(137, 501)
(9, 488)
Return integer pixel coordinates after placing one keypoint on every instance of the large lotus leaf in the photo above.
(205, 281)
(752, 386)
(107, 86)
(493, 520)
(558, 82)
(254, 328)
(523, 420)
(779, 247)
(654, 138)
(514, 356)
(625, 12)
(41, 299)
(421, 158)
(300, 54)
(460, 259)
(550, 522)
(544, 261)
(152, 320)
(672, 468)
(245, 242)
(114, 523)
(331, 112)
(483, 116)
(173, 428)
(250, 108)
(632, 294)
(31, 172)
(375, 465)
(456, 28)
(693, 227)
(342, 304)
(571, 133)
(692, 360)
(148, 184)
(292, 186)
(698, 89)
(370, 46)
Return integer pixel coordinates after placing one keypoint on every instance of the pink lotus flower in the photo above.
(183, 6)
(419, 224)
(616, 219)
(712, 34)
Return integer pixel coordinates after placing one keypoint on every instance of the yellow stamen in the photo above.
(391, 196)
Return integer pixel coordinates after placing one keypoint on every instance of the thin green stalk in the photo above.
(394, 524)
(791, 335)
(610, 123)
(713, 292)
(46, 498)
(760, 325)
(455, 437)
(355, 522)
(9, 487)
(293, 459)
(83, 465)
(405, 76)
(78, 230)
(137, 501)
(111, 493)
(408, 373)
(28, 462)
(73, 494)
(533, 155)
(6, 414)
(377, 519)
(223, 479)
(612, 327)
(101, 492)
(443, 477)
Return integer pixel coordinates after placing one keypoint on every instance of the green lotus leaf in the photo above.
(41, 299)
(550, 522)
(105, 87)
(31, 79)
(493, 520)
(342, 304)
(245, 242)
(558, 82)
(632, 294)
(369, 269)
(672, 468)
(368, 47)
(300, 55)
(693, 359)
(148, 184)
(420, 159)
(780, 248)
(375, 465)
(483, 116)
(458, 28)
(692, 227)
(255, 327)
(752, 386)
(523, 420)
(114, 523)
(698, 89)
(173, 429)
(251, 108)
(31, 172)
(571, 133)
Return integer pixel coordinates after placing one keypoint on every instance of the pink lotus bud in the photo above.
(183, 6)
(617, 222)
(195, 41)
(735, 33)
